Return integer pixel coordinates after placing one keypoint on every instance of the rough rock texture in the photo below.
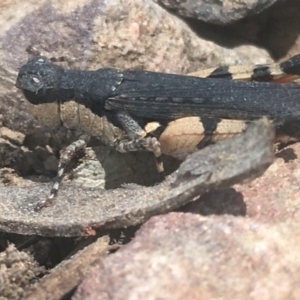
(272, 198)
(185, 256)
(70, 272)
(17, 271)
(258, 253)
(217, 12)
(275, 197)
(276, 29)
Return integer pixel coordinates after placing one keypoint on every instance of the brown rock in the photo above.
(15, 137)
(17, 270)
(275, 197)
(272, 198)
(185, 256)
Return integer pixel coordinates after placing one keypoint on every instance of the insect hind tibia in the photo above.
(66, 156)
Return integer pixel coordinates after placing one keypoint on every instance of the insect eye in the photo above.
(35, 80)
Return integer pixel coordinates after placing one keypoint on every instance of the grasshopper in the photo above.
(133, 110)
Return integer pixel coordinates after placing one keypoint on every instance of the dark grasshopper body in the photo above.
(154, 96)
(134, 110)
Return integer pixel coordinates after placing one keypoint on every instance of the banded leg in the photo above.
(66, 156)
(149, 144)
(138, 140)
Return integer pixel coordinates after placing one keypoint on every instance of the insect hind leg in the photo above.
(66, 156)
(146, 143)
(138, 140)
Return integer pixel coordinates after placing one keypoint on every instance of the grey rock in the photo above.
(217, 12)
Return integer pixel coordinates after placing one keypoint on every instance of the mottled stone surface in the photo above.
(186, 256)
(17, 270)
(272, 198)
(217, 12)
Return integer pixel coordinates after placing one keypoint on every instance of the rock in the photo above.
(272, 198)
(186, 256)
(17, 270)
(217, 12)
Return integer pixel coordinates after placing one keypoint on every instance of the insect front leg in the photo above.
(66, 156)
(138, 140)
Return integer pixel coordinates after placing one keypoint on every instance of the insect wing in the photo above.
(166, 96)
